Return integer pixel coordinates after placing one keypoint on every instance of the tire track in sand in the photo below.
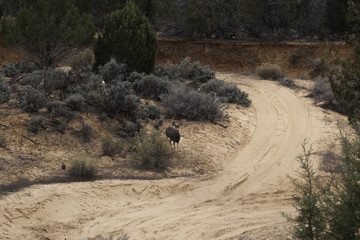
(248, 195)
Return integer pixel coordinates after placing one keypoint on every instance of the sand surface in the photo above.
(242, 199)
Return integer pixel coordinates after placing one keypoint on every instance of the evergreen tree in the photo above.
(48, 29)
(345, 76)
(342, 200)
(128, 38)
(310, 220)
(336, 12)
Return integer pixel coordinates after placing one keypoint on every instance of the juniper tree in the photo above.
(128, 38)
(310, 220)
(49, 29)
(345, 76)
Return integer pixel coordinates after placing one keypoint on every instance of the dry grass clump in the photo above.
(83, 166)
(110, 146)
(153, 150)
(82, 61)
(270, 71)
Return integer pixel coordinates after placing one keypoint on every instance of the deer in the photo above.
(173, 133)
(58, 81)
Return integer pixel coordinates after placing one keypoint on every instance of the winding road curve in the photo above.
(246, 197)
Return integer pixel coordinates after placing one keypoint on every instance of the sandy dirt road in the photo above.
(242, 201)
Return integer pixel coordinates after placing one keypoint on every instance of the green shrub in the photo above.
(36, 79)
(110, 147)
(33, 100)
(120, 99)
(288, 83)
(83, 166)
(184, 102)
(269, 71)
(213, 85)
(232, 94)
(151, 111)
(93, 91)
(200, 74)
(129, 130)
(113, 71)
(4, 93)
(185, 70)
(35, 124)
(75, 102)
(82, 61)
(171, 71)
(227, 92)
(10, 70)
(14, 69)
(153, 150)
(56, 108)
(151, 86)
(129, 38)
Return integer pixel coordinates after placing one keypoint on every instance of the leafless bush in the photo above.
(82, 61)
(322, 93)
(110, 146)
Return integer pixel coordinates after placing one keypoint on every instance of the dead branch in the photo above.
(224, 126)
(31, 140)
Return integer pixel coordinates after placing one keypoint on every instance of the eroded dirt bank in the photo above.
(295, 58)
(243, 200)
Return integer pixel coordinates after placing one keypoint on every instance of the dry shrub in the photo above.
(82, 61)
(83, 166)
(153, 150)
(110, 146)
(323, 94)
(270, 71)
(86, 133)
(36, 123)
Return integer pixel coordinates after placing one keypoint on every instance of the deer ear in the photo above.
(173, 124)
